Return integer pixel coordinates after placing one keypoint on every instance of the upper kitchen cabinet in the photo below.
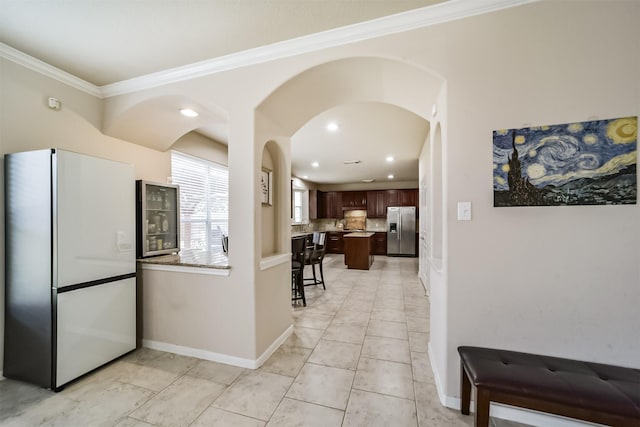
(329, 204)
(313, 205)
(354, 200)
(332, 204)
(376, 204)
(402, 197)
(409, 197)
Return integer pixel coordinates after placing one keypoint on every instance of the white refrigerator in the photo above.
(70, 272)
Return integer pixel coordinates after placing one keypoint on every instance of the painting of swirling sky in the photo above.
(586, 163)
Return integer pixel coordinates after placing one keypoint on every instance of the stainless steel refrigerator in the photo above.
(401, 231)
(69, 265)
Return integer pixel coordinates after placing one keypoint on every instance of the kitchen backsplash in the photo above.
(372, 224)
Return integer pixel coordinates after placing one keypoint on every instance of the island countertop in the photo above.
(360, 234)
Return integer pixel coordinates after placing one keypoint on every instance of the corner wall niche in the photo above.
(269, 178)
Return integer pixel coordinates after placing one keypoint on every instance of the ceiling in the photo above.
(104, 42)
(379, 131)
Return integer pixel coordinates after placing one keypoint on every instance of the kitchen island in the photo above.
(357, 250)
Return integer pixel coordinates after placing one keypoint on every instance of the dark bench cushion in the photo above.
(603, 388)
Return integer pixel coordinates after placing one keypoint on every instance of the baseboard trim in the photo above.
(220, 357)
(436, 376)
(510, 413)
(199, 353)
(274, 346)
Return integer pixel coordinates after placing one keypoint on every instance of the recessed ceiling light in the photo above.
(368, 180)
(315, 164)
(189, 112)
(389, 159)
(305, 176)
(332, 127)
(390, 176)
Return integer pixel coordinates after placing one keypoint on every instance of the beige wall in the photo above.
(273, 276)
(562, 281)
(194, 311)
(267, 212)
(27, 124)
(200, 146)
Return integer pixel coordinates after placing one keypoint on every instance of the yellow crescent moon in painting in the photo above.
(623, 131)
(626, 131)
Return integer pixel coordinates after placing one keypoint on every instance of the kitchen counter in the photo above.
(360, 234)
(191, 258)
(301, 233)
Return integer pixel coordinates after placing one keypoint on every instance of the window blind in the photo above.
(204, 201)
(297, 206)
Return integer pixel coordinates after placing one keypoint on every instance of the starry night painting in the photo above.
(586, 163)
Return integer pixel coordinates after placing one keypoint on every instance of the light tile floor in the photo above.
(357, 357)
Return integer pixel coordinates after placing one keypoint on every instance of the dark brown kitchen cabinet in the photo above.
(335, 242)
(329, 204)
(376, 204)
(334, 204)
(393, 197)
(313, 205)
(321, 204)
(408, 197)
(354, 200)
(379, 245)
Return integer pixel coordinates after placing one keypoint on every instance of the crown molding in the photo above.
(401, 22)
(34, 64)
(405, 21)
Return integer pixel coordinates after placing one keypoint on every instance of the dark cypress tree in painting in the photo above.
(521, 191)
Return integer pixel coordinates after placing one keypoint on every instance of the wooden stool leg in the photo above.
(322, 276)
(465, 391)
(301, 289)
(482, 407)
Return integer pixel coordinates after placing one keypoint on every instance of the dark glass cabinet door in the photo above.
(158, 214)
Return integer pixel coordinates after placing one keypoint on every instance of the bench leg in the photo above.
(465, 391)
(482, 407)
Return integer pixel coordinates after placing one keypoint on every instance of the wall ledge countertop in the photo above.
(191, 258)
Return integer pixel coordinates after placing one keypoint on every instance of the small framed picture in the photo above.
(266, 193)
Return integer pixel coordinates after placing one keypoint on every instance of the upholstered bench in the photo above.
(593, 392)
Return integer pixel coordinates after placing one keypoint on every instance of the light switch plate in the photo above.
(464, 211)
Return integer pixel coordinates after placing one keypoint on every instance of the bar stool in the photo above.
(298, 254)
(315, 255)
